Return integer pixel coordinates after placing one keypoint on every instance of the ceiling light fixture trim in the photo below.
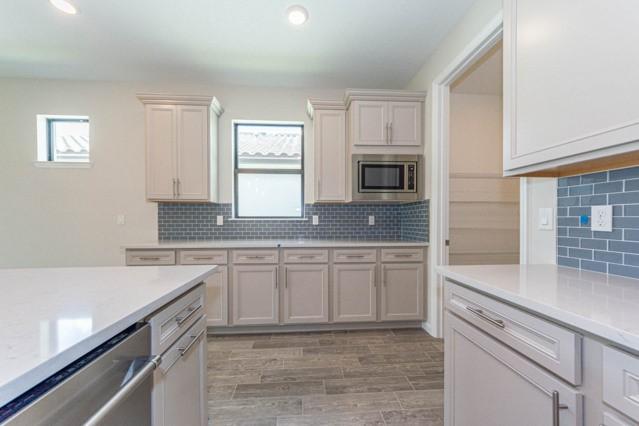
(64, 6)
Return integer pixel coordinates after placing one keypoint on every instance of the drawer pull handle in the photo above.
(307, 256)
(402, 255)
(149, 258)
(354, 256)
(190, 312)
(185, 350)
(556, 406)
(255, 257)
(496, 322)
(203, 258)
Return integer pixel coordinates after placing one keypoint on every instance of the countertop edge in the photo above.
(223, 244)
(614, 336)
(20, 384)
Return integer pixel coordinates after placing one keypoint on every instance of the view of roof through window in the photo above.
(269, 146)
(69, 140)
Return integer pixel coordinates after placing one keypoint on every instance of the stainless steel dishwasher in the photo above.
(109, 386)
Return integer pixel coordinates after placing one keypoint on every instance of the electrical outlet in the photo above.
(371, 220)
(315, 219)
(219, 220)
(601, 218)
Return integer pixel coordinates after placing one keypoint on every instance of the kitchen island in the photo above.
(53, 316)
(561, 345)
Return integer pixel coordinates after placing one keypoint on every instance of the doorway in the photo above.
(483, 206)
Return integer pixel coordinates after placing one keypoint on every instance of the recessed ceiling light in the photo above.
(64, 6)
(297, 15)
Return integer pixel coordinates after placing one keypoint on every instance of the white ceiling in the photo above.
(345, 43)
(485, 77)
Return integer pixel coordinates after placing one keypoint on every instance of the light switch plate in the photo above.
(601, 218)
(315, 219)
(219, 220)
(546, 218)
(120, 219)
(371, 220)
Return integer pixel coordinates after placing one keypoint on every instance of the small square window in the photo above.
(63, 138)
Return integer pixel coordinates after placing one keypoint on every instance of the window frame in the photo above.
(51, 140)
(237, 170)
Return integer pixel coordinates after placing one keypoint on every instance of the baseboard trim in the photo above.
(428, 328)
(256, 329)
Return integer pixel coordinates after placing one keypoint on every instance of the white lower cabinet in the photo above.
(255, 294)
(305, 294)
(179, 383)
(402, 291)
(217, 297)
(354, 292)
(489, 384)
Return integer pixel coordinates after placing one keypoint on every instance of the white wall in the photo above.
(60, 217)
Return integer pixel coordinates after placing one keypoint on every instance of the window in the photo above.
(269, 170)
(63, 138)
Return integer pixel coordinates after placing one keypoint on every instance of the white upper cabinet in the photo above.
(181, 147)
(329, 139)
(369, 125)
(385, 122)
(570, 82)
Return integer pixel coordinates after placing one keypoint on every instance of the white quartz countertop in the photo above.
(212, 244)
(52, 316)
(603, 305)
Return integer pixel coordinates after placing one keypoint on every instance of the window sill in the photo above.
(62, 165)
(283, 219)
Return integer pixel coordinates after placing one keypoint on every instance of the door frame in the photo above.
(486, 39)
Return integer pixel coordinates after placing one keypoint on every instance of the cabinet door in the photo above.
(354, 293)
(305, 294)
(255, 294)
(179, 388)
(402, 291)
(193, 153)
(567, 90)
(369, 122)
(217, 297)
(488, 384)
(405, 121)
(161, 135)
(330, 155)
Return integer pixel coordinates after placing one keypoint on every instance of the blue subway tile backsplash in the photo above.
(336, 222)
(615, 252)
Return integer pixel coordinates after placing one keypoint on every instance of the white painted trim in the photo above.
(484, 41)
(523, 221)
(63, 164)
(383, 95)
(166, 99)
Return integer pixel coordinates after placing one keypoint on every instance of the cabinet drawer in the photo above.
(553, 347)
(402, 255)
(168, 324)
(150, 257)
(305, 256)
(621, 381)
(203, 257)
(354, 255)
(255, 256)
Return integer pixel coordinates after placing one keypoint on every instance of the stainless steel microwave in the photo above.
(387, 177)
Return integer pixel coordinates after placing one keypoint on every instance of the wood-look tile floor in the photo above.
(372, 377)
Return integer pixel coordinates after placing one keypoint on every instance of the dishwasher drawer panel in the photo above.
(552, 346)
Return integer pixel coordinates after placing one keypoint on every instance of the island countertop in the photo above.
(52, 316)
(605, 306)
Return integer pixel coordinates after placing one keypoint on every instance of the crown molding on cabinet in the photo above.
(382, 95)
(314, 103)
(164, 99)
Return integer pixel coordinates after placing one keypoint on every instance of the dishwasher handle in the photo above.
(124, 392)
